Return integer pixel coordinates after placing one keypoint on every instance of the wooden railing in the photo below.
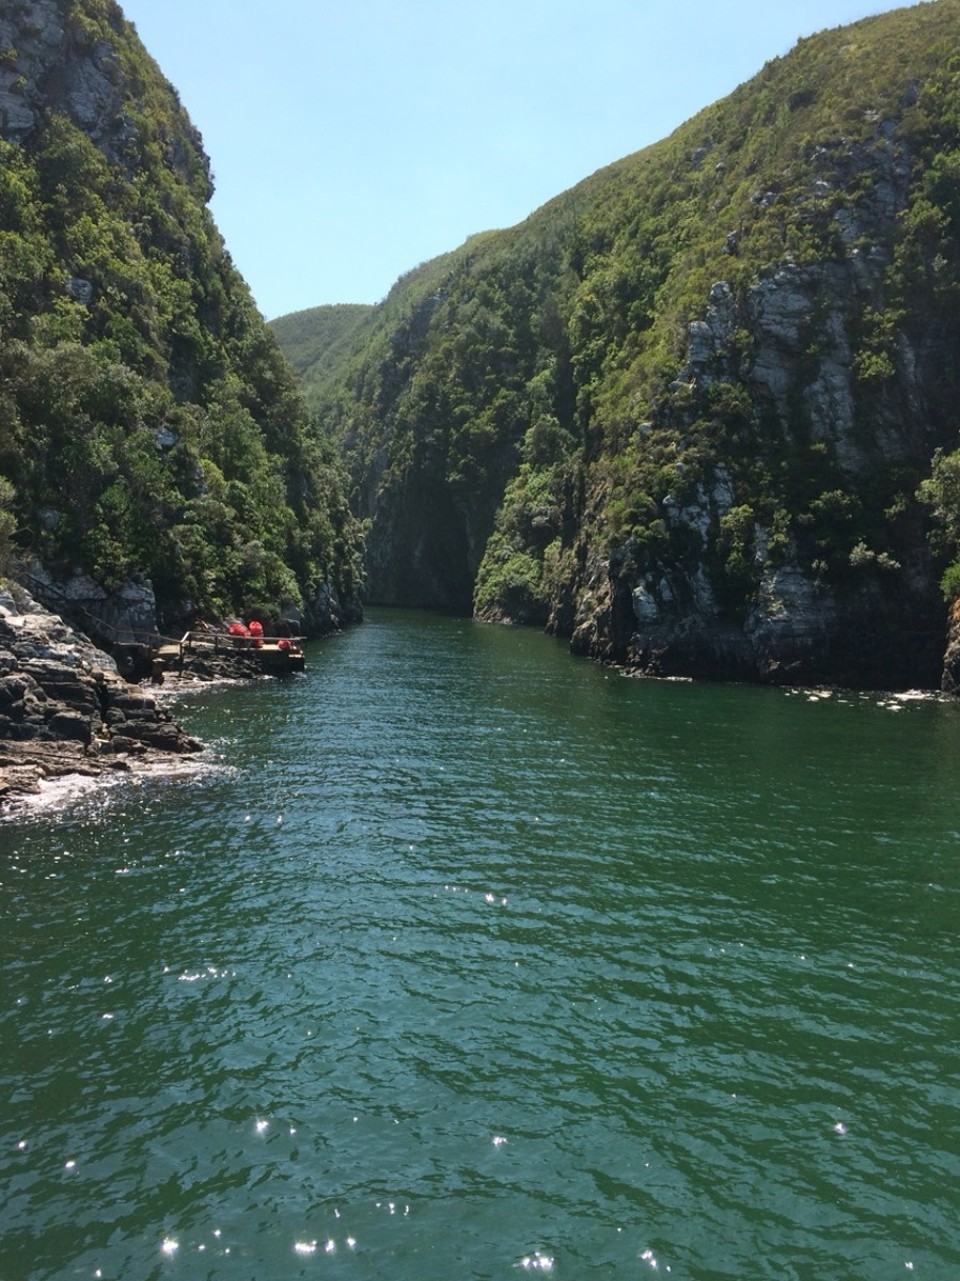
(225, 642)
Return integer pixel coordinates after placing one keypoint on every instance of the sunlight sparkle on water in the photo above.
(537, 1262)
(608, 1060)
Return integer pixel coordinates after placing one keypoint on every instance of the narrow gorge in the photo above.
(688, 414)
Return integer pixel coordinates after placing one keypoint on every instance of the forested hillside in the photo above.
(150, 431)
(688, 413)
(314, 341)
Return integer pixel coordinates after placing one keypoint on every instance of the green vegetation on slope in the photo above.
(148, 424)
(731, 354)
(313, 340)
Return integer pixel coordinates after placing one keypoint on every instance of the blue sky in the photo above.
(353, 139)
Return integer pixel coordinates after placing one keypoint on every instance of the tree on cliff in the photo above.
(941, 491)
(148, 422)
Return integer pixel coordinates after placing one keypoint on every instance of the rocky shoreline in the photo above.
(65, 710)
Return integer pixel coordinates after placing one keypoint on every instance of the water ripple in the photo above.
(484, 962)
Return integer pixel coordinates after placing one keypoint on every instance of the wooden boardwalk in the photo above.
(271, 655)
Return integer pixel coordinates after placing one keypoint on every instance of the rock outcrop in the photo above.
(46, 60)
(950, 678)
(65, 710)
(113, 617)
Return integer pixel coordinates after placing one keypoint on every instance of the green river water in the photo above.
(461, 958)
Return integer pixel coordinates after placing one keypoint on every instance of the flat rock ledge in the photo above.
(65, 710)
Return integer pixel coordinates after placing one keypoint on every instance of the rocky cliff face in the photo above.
(56, 57)
(793, 342)
(882, 622)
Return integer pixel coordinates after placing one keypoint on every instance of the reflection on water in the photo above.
(469, 959)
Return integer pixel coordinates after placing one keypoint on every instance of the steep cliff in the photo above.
(681, 414)
(132, 359)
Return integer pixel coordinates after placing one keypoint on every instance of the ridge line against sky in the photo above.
(352, 140)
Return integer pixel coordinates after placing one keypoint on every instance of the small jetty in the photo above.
(248, 655)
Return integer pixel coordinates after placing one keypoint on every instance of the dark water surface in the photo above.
(477, 961)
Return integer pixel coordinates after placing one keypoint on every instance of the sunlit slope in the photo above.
(681, 413)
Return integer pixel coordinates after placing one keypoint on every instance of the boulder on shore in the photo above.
(64, 709)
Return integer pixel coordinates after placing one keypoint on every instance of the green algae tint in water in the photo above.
(476, 961)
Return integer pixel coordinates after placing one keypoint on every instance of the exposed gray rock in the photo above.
(115, 617)
(326, 612)
(778, 308)
(80, 290)
(804, 329)
(709, 339)
(17, 120)
(58, 68)
(166, 439)
(63, 708)
(700, 343)
(790, 618)
(645, 608)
